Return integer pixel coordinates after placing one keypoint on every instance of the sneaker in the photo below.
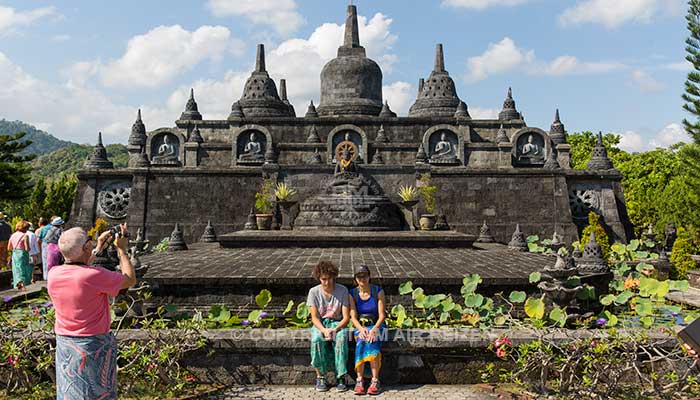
(359, 387)
(321, 385)
(341, 387)
(374, 388)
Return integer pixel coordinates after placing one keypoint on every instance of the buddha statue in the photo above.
(252, 151)
(166, 153)
(531, 149)
(444, 150)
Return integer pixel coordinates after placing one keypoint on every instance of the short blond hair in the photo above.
(22, 226)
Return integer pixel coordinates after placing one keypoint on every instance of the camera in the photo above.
(116, 231)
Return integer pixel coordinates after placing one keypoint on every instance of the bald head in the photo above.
(72, 243)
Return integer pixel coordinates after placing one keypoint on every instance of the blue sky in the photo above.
(77, 67)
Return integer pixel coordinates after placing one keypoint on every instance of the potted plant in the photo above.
(284, 193)
(408, 195)
(427, 193)
(263, 203)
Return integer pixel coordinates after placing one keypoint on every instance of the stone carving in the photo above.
(176, 241)
(592, 261)
(552, 162)
(599, 160)
(386, 111)
(462, 111)
(251, 224)
(113, 200)
(557, 131)
(377, 159)
(381, 135)
(209, 235)
(421, 156)
(531, 149)
(260, 97)
(196, 136)
(316, 158)
(313, 135)
(441, 223)
(485, 235)
(582, 201)
(346, 138)
(253, 151)
(167, 149)
(444, 151)
(437, 97)
(98, 159)
(236, 111)
(191, 110)
(138, 132)
(311, 111)
(502, 136)
(517, 242)
(509, 111)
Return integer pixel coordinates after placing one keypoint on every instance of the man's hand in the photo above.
(329, 334)
(122, 241)
(102, 240)
(691, 351)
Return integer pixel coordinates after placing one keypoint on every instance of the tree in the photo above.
(582, 144)
(60, 195)
(14, 168)
(692, 90)
(35, 207)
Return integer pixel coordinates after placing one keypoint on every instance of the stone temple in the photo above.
(501, 172)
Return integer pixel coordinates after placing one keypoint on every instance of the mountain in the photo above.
(42, 142)
(70, 159)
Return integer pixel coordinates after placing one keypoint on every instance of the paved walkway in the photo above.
(403, 392)
(691, 297)
(30, 291)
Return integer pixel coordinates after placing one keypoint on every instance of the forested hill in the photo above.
(70, 159)
(42, 142)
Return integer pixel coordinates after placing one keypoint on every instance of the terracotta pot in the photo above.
(427, 222)
(264, 221)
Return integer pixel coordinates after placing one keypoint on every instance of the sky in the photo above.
(73, 68)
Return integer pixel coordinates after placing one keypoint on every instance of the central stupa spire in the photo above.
(352, 31)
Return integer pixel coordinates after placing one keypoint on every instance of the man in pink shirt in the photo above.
(86, 351)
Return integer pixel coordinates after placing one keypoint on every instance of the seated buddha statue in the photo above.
(166, 152)
(252, 151)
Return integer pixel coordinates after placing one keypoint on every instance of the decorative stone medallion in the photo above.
(582, 201)
(113, 200)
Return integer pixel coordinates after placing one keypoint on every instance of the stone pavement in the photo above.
(690, 297)
(30, 291)
(403, 392)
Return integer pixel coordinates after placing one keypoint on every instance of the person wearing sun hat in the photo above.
(53, 253)
(5, 233)
(367, 312)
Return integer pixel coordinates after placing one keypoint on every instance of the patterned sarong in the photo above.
(329, 355)
(86, 367)
(366, 352)
(53, 257)
(21, 269)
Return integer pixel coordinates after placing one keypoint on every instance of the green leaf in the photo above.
(263, 298)
(499, 320)
(619, 248)
(517, 297)
(558, 316)
(612, 318)
(447, 305)
(443, 317)
(214, 311)
(254, 316)
(623, 297)
(473, 300)
(399, 312)
(535, 277)
(647, 321)
(634, 245)
(170, 308)
(417, 292)
(303, 311)
(433, 300)
(406, 288)
(533, 239)
(225, 314)
(419, 300)
(289, 307)
(643, 307)
(641, 255)
(643, 266)
(534, 308)
(533, 248)
(681, 286)
(470, 283)
(607, 300)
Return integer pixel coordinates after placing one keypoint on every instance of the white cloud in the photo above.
(60, 38)
(567, 65)
(281, 15)
(11, 18)
(645, 82)
(483, 113)
(160, 55)
(506, 56)
(683, 66)
(612, 14)
(481, 4)
(498, 58)
(671, 134)
(400, 96)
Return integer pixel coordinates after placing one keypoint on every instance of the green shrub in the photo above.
(264, 198)
(427, 192)
(600, 235)
(681, 255)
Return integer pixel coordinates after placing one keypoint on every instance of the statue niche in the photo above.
(530, 149)
(165, 149)
(251, 148)
(345, 138)
(443, 147)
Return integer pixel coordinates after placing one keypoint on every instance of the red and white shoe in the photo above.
(374, 388)
(359, 387)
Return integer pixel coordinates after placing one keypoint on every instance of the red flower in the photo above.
(150, 367)
(13, 360)
(501, 353)
(35, 311)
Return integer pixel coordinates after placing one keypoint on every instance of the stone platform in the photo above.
(208, 274)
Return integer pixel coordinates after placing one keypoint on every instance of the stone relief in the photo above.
(344, 137)
(113, 200)
(443, 147)
(165, 149)
(582, 201)
(530, 149)
(251, 148)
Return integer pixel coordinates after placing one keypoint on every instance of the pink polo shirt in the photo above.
(80, 297)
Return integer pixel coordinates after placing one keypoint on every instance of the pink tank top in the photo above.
(17, 240)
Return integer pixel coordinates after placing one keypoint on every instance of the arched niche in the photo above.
(531, 146)
(165, 147)
(444, 145)
(352, 132)
(249, 144)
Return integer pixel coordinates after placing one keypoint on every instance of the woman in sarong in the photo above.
(18, 246)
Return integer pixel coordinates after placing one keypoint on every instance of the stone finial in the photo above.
(441, 223)
(485, 235)
(502, 136)
(283, 97)
(138, 132)
(250, 224)
(311, 111)
(381, 135)
(439, 59)
(316, 158)
(421, 155)
(462, 111)
(176, 241)
(313, 135)
(517, 242)
(260, 97)
(98, 159)
(421, 85)
(352, 31)
(191, 110)
(386, 111)
(377, 159)
(592, 261)
(196, 136)
(236, 111)
(557, 131)
(260, 58)
(209, 235)
(509, 111)
(552, 162)
(599, 160)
